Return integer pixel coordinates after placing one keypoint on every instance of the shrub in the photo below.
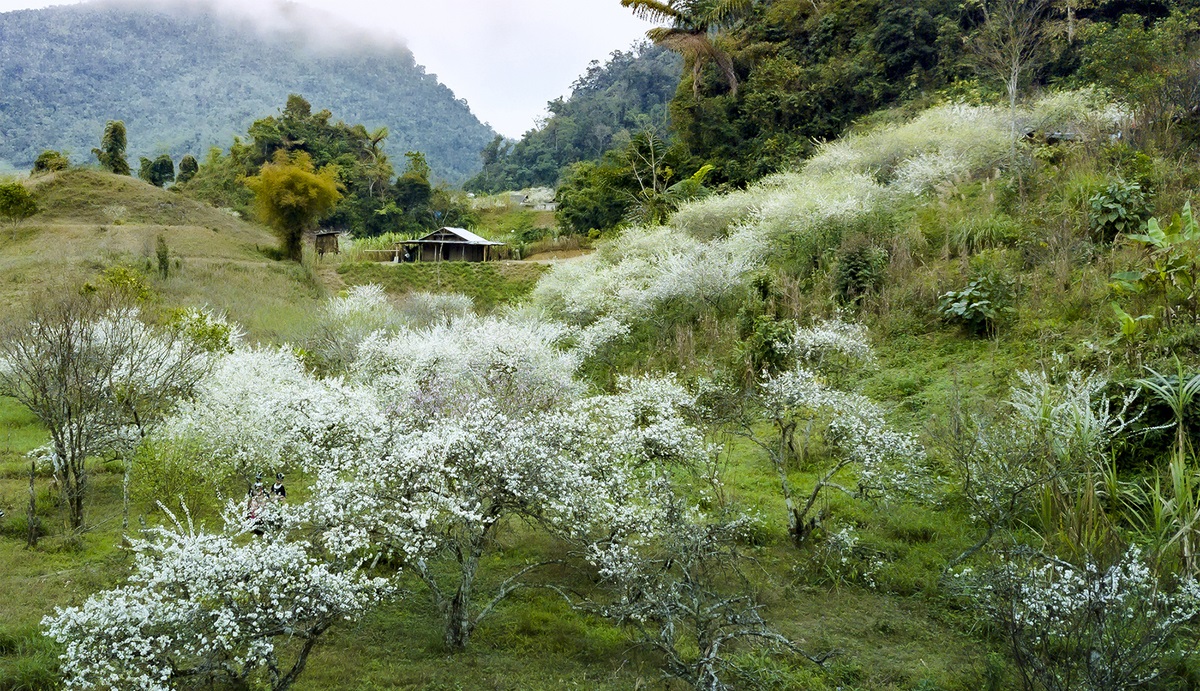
(981, 305)
(1122, 207)
(860, 268)
(16, 203)
(50, 161)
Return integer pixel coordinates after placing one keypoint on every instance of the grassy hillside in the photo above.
(489, 285)
(91, 221)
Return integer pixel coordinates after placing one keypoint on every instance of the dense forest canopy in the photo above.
(608, 103)
(375, 197)
(190, 78)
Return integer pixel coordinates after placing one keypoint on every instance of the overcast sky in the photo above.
(507, 58)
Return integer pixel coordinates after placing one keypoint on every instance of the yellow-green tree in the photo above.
(290, 196)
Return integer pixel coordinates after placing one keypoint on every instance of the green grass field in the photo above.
(489, 285)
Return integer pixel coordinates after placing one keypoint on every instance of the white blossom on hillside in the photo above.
(211, 608)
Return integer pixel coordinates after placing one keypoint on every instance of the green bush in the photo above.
(860, 268)
(981, 305)
(1122, 207)
(49, 162)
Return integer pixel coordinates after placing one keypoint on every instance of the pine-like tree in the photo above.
(111, 153)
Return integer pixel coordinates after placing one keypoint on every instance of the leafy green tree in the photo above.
(290, 196)
(591, 198)
(158, 172)
(111, 153)
(1152, 66)
(414, 192)
(49, 162)
(16, 203)
(608, 104)
(188, 167)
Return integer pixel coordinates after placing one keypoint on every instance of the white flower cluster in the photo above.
(833, 338)
(204, 606)
(640, 271)
(445, 368)
(1089, 627)
(855, 425)
(260, 408)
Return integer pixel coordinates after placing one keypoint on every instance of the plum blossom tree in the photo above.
(97, 377)
(1090, 626)
(441, 435)
(800, 403)
(586, 466)
(209, 609)
(681, 591)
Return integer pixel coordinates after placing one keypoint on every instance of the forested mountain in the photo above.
(607, 105)
(191, 77)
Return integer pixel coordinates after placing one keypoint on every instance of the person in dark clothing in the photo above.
(278, 491)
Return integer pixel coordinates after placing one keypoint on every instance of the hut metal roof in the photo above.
(467, 237)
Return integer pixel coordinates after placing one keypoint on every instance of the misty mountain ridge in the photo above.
(188, 76)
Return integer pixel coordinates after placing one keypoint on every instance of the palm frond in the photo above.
(725, 10)
(653, 10)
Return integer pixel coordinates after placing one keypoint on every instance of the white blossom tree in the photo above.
(681, 591)
(800, 403)
(204, 609)
(442, 491)
(1089, 626)
(97, 377)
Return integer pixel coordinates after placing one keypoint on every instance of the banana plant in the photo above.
(1174, 264)
(1178, 392)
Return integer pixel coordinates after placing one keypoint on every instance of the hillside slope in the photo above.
(190, 78)
(93, 221)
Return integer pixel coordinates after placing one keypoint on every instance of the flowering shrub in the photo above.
(1089, 627)
(714, 244)
(211, 609)
(674, 593)
(444, 369)
(345, 322)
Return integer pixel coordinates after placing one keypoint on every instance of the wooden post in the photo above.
(33, 536)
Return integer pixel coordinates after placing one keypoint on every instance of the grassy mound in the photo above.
(489, 285)
(89, 221)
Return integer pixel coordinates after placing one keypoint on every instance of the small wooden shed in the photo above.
(452, 245)
(327, 241)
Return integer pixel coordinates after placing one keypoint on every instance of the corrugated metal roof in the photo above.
(467, 236)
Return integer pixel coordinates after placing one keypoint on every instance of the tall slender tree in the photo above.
(111, 153)
(291, 195)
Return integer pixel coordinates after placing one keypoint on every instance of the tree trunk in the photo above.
(294, 246)
(125, 498)
(33, 535)
(458, 615)
(301, 661)
(74, 487)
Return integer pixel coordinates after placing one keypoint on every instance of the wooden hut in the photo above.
(326, 241)
(451, 245)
